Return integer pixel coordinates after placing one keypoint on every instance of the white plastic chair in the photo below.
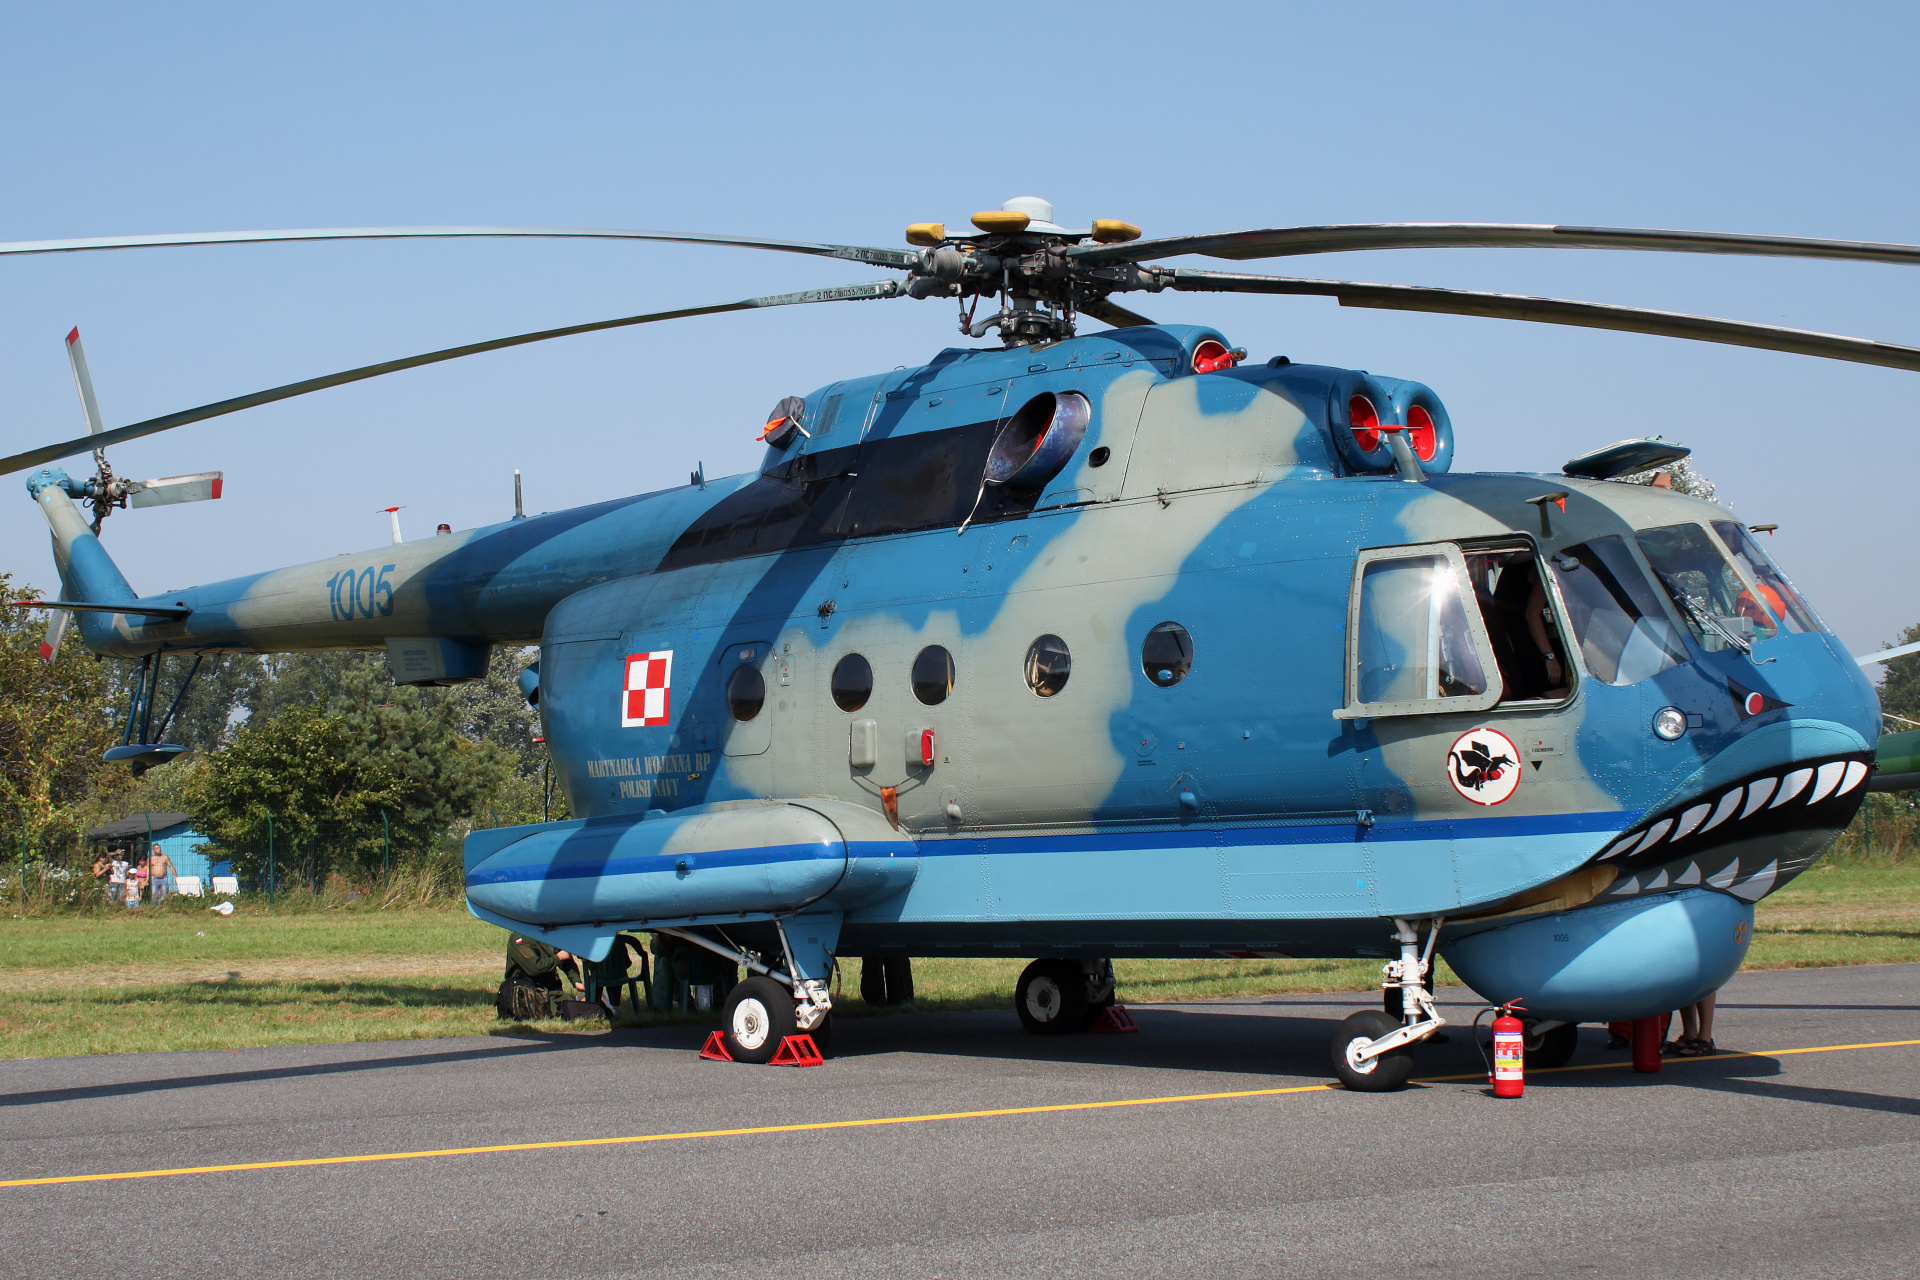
(188, 886)
(229, 885)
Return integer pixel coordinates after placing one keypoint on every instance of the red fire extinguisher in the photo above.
(1509, 1055)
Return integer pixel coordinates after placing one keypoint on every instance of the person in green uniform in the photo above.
(534, 976)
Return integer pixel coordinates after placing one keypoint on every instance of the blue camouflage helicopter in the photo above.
(1116, 644)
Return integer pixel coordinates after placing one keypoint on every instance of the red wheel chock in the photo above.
(794, 1051)
(1115, 1018)
(797, 1051)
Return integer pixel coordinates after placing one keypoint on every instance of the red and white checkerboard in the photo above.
(649, 682)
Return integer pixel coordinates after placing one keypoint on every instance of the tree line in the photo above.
(318, 756)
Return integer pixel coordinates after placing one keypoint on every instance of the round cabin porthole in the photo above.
(1167, 654)
(1048, 665)
(933, 675)
(1038, 440)
(746, 692)
(852, 682)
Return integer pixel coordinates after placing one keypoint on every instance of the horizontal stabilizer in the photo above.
(198, 487)
(80, 606)
(143, 755)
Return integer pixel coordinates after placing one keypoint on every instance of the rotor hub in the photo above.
(1020, 258)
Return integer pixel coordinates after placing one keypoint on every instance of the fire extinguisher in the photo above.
(1509, 1055)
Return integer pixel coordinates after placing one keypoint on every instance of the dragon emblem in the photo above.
(1484, 766)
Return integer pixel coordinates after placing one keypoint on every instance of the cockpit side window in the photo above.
(1771, 587)
(1535, 665)
(1415, 647)
(1623, 632)
(1716, 602)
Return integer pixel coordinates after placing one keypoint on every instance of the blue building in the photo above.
(173, 832)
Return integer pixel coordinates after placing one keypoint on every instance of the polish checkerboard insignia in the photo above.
(644, 700)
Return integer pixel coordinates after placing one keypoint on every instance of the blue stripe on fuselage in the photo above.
(1394, 830)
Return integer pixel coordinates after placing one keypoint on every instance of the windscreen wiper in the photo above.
(1704, 618)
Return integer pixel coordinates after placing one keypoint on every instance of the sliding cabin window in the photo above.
(1416, 642)
(1515, 600)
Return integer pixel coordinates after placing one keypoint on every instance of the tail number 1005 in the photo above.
(360, 595)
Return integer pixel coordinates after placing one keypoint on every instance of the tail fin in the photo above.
(87, 572)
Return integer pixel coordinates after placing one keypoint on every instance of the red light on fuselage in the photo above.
(1364, 423)
(1422, 434)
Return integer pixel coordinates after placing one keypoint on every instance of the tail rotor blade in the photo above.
(56, 632)
(77, 357)
(201, 486)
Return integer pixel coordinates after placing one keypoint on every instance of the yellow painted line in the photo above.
(872, 1122)
(673, 1137)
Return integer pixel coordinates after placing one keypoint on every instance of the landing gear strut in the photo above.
(774, 1002)
(1370, 1048)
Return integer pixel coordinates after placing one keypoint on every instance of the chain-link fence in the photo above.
(283, 857)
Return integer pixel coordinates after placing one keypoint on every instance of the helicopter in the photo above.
(1083, 646)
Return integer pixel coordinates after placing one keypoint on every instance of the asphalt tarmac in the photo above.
(1776, 1164)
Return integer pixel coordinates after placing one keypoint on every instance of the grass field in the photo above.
(185, 978)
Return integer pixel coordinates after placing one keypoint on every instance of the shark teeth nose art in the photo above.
(1755, 835)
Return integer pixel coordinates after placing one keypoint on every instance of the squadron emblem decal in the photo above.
(1484, 766)
(644, 700)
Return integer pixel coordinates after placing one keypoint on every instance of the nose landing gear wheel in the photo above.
(1383, 1074)
(757, 1017)
(1549, 1049)
(1051, 998)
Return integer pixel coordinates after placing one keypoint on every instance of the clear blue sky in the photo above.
(845, 123)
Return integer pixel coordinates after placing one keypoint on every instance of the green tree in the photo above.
(55, 721)
(493, 709)
(220, 692)
(328, 772)
(1900, 688)
(300, 680)
(1684, 478)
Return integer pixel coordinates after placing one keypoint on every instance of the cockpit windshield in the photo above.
(1623, 632)
(1774, 589)
(1719, 605)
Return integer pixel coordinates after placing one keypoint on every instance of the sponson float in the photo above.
(1119, 644)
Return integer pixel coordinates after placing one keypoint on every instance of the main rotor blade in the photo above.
(1283, 242)
(855, 253)
(1111, 312)
(68, 448)
(1588, 315)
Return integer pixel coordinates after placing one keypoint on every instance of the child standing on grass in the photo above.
(136, 877)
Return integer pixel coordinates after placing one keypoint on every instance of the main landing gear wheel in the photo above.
(1549, 1049)
(1051, 998)
(886, 980)
(1383, 1074)
(899, 979)
(758, 1016)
